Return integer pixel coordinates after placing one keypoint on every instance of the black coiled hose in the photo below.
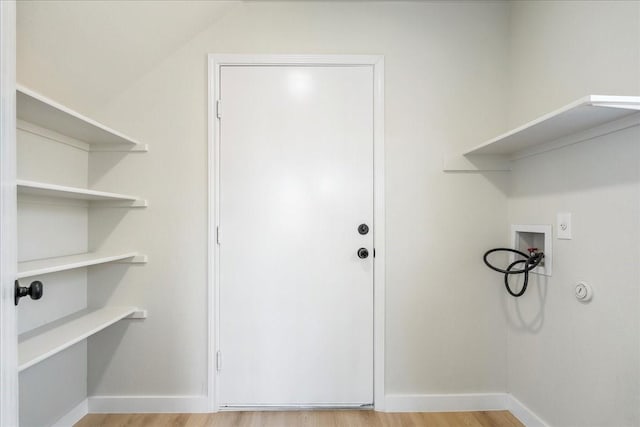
(530, 262)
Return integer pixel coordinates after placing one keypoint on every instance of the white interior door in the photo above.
(296, 182)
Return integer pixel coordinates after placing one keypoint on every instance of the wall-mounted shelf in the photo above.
(53, 265)
(41, 343)
(586, 118)
(60, 191)
(35, 108)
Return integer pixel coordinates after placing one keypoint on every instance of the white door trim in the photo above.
(8, 247)
(377, 62)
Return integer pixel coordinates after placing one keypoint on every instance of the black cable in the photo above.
(524, 284)
(530, 262)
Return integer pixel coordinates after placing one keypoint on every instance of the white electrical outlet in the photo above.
(564, 226)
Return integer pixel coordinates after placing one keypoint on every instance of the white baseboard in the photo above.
(392, 403)
(445, 402)
(146, 404)
(74, 415)
(524, 414)
(462, 403)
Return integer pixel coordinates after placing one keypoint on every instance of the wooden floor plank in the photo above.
(306, 419)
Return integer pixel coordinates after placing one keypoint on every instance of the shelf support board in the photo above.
(138, 259)
(54, 265)
(585, 135)
(51, 135)
(38, 109)
(120, 148)
(42, 343)
(142, 203)
(138, 314)
(477, 163)
(626, 106)
(575, 122)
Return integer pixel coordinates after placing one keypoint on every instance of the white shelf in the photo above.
(44, 342)
(52, 265)
(586, 118)
(60, 191)
(35, 108)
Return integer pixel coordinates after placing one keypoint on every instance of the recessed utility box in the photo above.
(524, 237)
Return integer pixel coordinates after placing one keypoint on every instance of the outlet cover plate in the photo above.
(563, 228)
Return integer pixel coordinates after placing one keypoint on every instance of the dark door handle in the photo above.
(363, 253)
(34, 291)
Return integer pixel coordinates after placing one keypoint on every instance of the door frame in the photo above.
(8, 246)
(213, 286)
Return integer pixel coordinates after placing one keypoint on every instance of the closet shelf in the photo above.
(41, 343)
(586, 118)
(52, 265)
(60, 191)
(35, 108)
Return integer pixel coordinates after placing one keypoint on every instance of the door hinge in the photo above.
(218, 235)
(219, 361)
(219, 109)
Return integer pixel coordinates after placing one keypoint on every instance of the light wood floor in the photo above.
(305, 419)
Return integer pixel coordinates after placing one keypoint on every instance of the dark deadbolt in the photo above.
(34, 291)
(363, 253)
(363, 229)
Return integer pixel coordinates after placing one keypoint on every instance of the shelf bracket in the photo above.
(140, 203)
(476, 163)
(138, 314)
(138, 259)
(623, 105)
(117, 148)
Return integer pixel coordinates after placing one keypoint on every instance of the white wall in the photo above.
(100, 47)
(451, 68)
(578, 364)
(445, 73)
(49, 227)
(50, 389)
(560, 51)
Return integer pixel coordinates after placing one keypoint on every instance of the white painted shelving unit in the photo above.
(53, 265)
(41, 111)
(584, 119)
(53, 190)
(41, 343)
(47, 120)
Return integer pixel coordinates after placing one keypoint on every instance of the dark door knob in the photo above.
(34, 291)
(363, 253)
(363, 229)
